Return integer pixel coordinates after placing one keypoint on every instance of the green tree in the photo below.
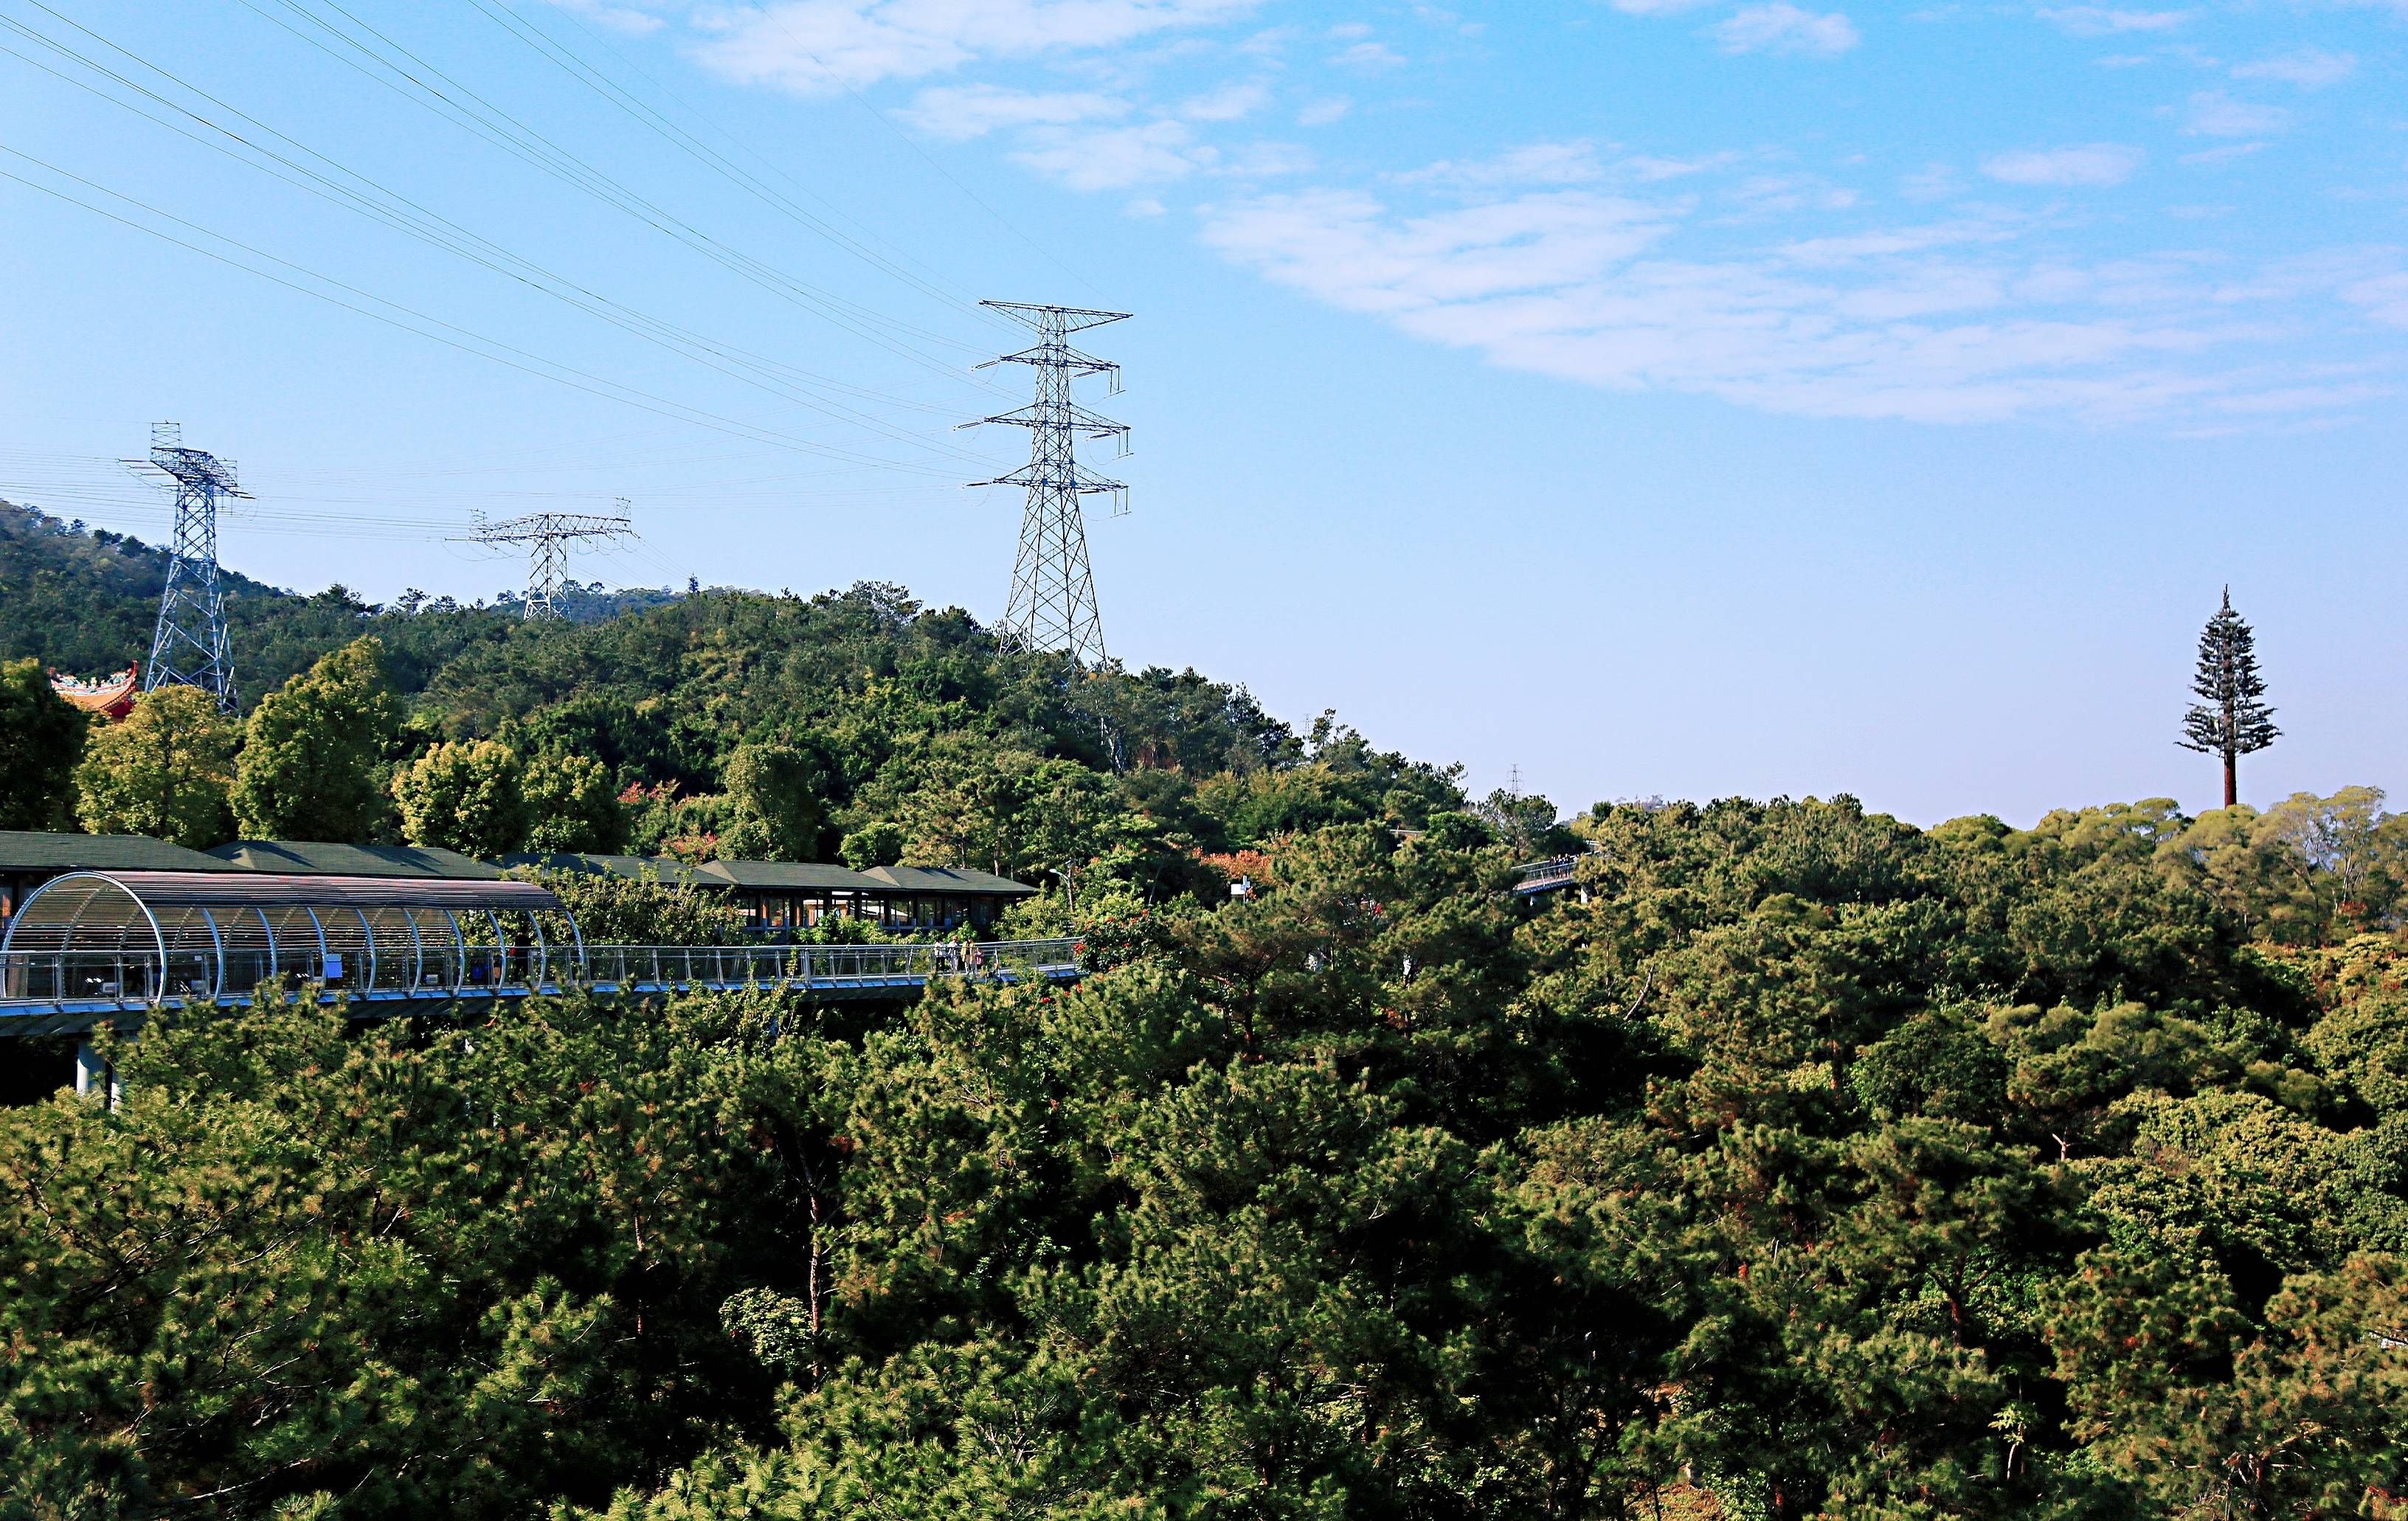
(468, 796)
(2345, 854)
(2231, 718)
(46, 739)
(164, 770)
(312, 749)
(873, 844)
(571, 805)
(779, 792)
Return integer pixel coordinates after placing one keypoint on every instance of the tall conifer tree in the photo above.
(2231, 718)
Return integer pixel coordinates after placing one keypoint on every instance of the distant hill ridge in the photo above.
(83, 600)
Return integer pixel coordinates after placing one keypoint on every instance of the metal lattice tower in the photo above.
(188, 646)
(1052, 604)
(550, 535)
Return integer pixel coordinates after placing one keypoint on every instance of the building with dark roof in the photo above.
(780, 896)
(323, 858)
(29, 858)
(661, 868)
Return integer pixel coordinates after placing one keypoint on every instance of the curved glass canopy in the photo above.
(143, 935)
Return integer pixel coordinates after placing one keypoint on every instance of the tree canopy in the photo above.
(46, 739)
(164, 771)
(1812, 1165)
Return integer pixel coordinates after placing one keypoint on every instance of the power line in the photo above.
(399, 213)
(536, 364)
(471, 111)
(577, 67)
(929, 159)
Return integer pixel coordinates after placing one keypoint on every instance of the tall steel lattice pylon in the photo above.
(550, 534)
(188, 646)
(1052, 604)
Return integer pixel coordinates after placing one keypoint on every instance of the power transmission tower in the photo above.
(550, 534)
(187, 645)
(1052, 602)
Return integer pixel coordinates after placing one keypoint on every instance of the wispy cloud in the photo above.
(1320, 113)
(2092, 163)
(961, 112)
(627, 18)
(1111, 158)
(1228, 103)
(2311, 68)
(1533, 163)
(1781, 27)
(2215, 114)
(1940, 322)
(819, 45)
(1368, 57)
(2102, 22)
(2385, 299)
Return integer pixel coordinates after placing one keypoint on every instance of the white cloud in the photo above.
(2092, 163)
(1348, 31)
(2311, 68)
(1533, 163)
(818, 46)
(1320, 113)
(1145, 207)
(1112, 158)
(1658, 8)
(2385, 299)
(627, 18)
(1942, 323)
(1776, 193)
(974, 110)
(2101, 21)
(2215, 114)
(1781, 27)
(1367, 56)
(1346, 248)
(1259, 161)
(1228, 103)
(1932, 182)
(1648, 167)
(2224, 155)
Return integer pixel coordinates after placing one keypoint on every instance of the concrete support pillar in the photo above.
(93, 1075)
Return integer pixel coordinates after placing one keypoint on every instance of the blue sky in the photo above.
(1664, 397)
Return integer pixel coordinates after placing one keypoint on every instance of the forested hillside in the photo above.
(721, 723)
(1798, 1162)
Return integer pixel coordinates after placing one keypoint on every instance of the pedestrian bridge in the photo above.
(89, 947)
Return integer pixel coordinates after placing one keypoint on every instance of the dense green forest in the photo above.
(1800, 1163)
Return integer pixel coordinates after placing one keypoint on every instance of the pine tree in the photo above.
(2231, 718)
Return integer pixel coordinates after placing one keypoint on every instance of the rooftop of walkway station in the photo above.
(25, 852)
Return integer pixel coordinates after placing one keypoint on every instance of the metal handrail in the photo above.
(114, 979)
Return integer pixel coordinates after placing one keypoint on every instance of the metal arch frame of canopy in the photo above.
(35, 933)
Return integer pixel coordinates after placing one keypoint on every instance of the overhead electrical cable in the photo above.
(881, 117)
(572, 64)
(467, 341)
(469, 111)
(407, 216)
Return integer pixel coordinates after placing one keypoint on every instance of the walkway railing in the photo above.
(1547, 875)
(34, 985)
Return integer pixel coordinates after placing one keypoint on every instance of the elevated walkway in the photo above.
(96, 946)
(69, 993)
